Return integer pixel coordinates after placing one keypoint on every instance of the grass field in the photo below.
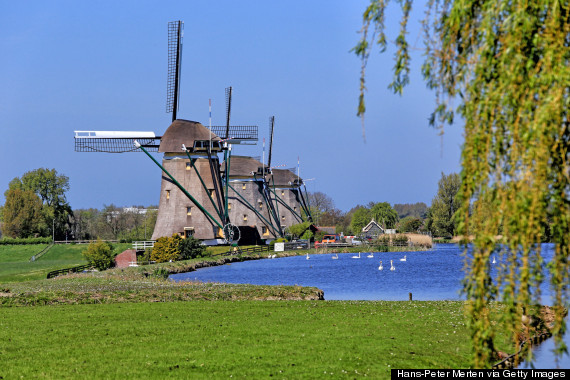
(222, 339)
(15, 264)
(19, 253)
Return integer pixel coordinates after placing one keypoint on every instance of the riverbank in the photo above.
(147, 283)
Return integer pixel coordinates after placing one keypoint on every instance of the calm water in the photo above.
(431, 275)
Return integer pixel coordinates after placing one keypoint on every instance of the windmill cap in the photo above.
(244, 166)
(284, 177)
(184, 132)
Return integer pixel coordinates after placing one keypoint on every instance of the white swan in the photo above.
(404, 259)
(494, 261)
(356, 257)
(335, 257)
(371, 255)
(380, 267)
(392, 267)
(308, 256)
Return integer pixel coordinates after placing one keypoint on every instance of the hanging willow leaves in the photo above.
(506, 65)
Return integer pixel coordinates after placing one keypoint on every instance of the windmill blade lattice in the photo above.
(175, 34)
(115, 141)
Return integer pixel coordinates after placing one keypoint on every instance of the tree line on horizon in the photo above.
(36, 206)
(438, 219)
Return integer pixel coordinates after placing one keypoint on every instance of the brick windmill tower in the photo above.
(192, 200)
(249, 206)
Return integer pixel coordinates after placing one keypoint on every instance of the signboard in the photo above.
(279, 247)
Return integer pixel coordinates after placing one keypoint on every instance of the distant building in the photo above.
(327, 229)
(138, 210)
(373, 229)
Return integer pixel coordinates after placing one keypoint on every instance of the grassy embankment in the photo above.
(15, 264)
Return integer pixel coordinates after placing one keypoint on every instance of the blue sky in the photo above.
(102, 65)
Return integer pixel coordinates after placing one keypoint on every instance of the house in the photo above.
(373, 229)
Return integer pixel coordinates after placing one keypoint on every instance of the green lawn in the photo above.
(19, 253)
(15, 264)
(222, 339)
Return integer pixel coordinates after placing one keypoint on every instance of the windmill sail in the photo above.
(238, 134)
(174, 63)
(115, 141)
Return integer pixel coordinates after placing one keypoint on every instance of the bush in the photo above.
(166, 249)
(145, 257)
(190, 248)
(17, 241)
(161, 273)
(100, 254)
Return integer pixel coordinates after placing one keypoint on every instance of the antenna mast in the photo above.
(175, 35)
(271, 125)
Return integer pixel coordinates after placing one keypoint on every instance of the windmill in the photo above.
(249, 209)
(284, 190)
(192, 200)
(264, 200)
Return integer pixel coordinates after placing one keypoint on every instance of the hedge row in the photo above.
(11, 241)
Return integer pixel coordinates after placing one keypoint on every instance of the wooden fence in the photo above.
(81, 268)
(239, 251)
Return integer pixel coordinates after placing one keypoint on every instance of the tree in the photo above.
(360, 218)
(445, 204)
(384, 214)
(297, 230)
(84, 226)
(100, 255)
(50, 187)
(22, 214)
(410, 224)
(417, 210)
(504, 64)
(320, 204)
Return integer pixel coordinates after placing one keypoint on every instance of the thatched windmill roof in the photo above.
(282, 177)
(184, 132)
(243, 166)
